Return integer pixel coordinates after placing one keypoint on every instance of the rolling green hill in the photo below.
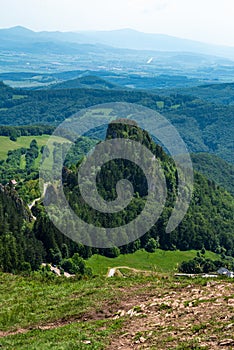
(87, 82)
(208, 223)
(205, 127)
(208, 220)
(219, 93)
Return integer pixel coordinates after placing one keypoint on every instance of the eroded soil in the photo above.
(193, 317)
(164, 314)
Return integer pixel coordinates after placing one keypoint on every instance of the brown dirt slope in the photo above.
(191, 317)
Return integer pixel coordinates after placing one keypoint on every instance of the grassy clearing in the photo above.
(22, 162)
(18, 97)
(160, 104)
(28, 301)
(80, 336)
(31, 301)
(160, 261)
(63, 314)
(175, 106)
(24, 141)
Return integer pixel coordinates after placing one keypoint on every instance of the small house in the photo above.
(226, 272)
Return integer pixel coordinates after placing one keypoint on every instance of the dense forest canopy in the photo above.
(204, 126)
(208, 223)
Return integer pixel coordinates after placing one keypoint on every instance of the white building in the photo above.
(226, 272)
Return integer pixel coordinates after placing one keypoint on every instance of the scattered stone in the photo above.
(229, 326)
(124, 335)
(227, 342)
(142, 339)
(212, 337)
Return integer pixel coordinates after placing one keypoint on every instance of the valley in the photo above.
(149, 291)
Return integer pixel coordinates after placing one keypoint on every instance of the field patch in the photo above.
(24, 141)
(161, 261)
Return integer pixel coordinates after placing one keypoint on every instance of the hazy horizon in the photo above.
(113, 30)
(209, 21)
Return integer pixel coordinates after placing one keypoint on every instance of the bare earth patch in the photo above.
(193, 317)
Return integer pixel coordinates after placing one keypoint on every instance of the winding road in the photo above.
(37, 199)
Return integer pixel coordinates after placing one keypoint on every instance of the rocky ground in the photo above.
(156, 312)
(191, 317)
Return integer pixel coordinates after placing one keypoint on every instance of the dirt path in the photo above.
(113, 270)
(37, 199)
(51, 325)
(57, 271)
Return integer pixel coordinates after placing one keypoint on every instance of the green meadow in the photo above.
(24, 141)
(161, 261)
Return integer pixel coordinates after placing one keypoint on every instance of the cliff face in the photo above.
(12, 204)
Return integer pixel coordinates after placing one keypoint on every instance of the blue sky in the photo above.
(204, 20)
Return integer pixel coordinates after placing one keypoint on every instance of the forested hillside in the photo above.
(116, 175)
(204, 126)
(87, 82)
(222, 93)
(208, 223)
(215, 169)
(19, 248)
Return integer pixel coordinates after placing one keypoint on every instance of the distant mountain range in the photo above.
(20, 38)
(132, 39)
(132, 58)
